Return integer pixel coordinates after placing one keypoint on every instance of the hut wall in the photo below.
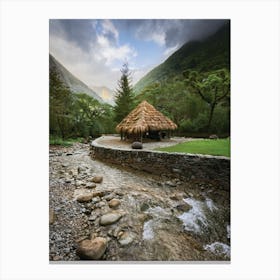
(196, 169)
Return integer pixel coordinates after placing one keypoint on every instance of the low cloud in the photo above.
(92, 49)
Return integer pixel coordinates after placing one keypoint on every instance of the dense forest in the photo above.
(192, 87)
(76, 115)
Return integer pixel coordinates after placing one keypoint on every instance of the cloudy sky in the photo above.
(95, 50)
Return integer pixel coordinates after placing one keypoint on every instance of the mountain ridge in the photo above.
(71, 81)
(212, 53)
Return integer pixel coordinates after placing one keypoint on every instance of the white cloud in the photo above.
(109, 28)
(148, 32)
(93, 67)
(110, 52)
(170, 50)
(158, 38)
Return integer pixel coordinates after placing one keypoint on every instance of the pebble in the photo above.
(170, 184)
(114, 203)
(90, 185)
(100, 204)
(85, 197)
(96, 199)
(97, 179)
(79, 183)
(177, 197)
(67, 250)
(98, 193)
(183, 207)
(92, 218)
(57, 258)
(126, 238)
(109, 196)
(52, 216)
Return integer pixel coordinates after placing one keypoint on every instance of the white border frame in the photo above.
(255, 138)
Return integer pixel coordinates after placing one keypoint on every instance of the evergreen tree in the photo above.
(124, 95)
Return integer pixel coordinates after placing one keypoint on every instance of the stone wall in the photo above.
(187, 167)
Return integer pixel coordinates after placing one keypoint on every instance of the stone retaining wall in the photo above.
(188, 167)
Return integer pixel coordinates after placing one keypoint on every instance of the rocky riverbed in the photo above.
(102, 212)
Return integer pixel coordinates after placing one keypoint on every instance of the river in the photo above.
(162, 219)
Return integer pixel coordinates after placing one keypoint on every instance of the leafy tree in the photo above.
(124, 95)
(87, 111)
(76, 115)
(60, 105)
(213, 88)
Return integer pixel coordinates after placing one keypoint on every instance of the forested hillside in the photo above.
(70, 81)
(192, 86)
(75, 115)
(211, 54)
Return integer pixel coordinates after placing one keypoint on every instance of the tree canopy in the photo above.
(76, 115)
(212, 87)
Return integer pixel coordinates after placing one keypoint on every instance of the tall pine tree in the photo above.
(124, 95)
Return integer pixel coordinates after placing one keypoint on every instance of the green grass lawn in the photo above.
(219, 147)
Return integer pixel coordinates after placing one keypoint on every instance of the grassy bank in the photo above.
(220, 147)
(63, 142)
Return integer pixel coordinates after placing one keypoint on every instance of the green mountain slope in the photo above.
(210, 54)
(74, 84)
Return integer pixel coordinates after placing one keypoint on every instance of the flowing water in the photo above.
(182, 223)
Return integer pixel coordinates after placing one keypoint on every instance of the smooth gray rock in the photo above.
(126, 238)
(137, 145)
(214, 137)
(90, 186)
(109, 218)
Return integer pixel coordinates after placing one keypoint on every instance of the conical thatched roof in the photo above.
(144, 118)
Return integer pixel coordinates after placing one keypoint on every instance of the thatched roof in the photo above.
(144, 118)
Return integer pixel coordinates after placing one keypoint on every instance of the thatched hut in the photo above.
(145, 121)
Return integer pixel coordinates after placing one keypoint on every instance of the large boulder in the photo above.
(92, 249)
(137, 145)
